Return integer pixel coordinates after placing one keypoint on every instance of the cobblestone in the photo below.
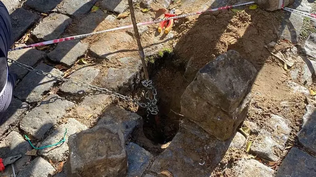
(85, 75)
(39, 168)
(33, 85)
(307, 136)
(127, 121)
(68, 52)
(39, 120)
(52, 27)
(297, 163)
(13, 114)
(138, 160)
(26, 56)
(20, 24)
(251, 168)
(117, 6)
(42, 5)
(60, 153)
(75, 7)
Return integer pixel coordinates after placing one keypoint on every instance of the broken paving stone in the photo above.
(238, 142)
(12, 115)
(127, 121)
(270, 142)
(192, 152)
(117, 6)
(51, 27)
(82, 75)
(251, 168)
(11, 5)
(138, 160)
(122, 77)
(114, 45)
(213, 100)
(38, 167)
(297, 163)
(20, 24)
(75, 7)
(58, 154)
(91, 107)
(68, 52)
(26, 56)
(42, 5)
(40, 119)
(307, 136)
(33, 85)
(310, 45)
(99, 151)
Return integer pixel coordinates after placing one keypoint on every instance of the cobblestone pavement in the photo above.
(43, 107)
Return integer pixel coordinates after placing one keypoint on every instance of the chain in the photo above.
(151, 104)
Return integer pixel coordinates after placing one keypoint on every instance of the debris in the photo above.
(32, 152)
(253, 7)
(123, 15)
(48, 146)
(94, 9)
(312, 92)
(249, 143)
(166, 173)
(145, 10)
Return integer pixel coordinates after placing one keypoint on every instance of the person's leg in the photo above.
(6, 79)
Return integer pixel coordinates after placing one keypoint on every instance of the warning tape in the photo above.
(301, 13)
(55, 41)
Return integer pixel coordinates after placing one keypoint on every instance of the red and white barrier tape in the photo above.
(55, 41)
(301, 13)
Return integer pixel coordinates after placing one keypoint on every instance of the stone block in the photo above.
(238, 142)
(51, 27)
(99, 151)
(26, 56)
(120, 78)
(114, 43)
(251, 168)
(270, 142)
(92, 107)
(75, 7)
(68, 52)
(39, 168)
(307, 136)
(60, 153)
(117, 6)
(42, 5)
(297, 163)
(138, 160)
(126, 120)
(82, 75)
(215, 100)
(192, 152)
(87, 23)
(40, 119)
(34, 85)
(20, 24)
(13, 115)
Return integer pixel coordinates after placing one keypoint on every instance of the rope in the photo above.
(55, 41)
(48, 146)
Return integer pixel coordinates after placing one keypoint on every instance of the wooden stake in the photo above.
(137, 36)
